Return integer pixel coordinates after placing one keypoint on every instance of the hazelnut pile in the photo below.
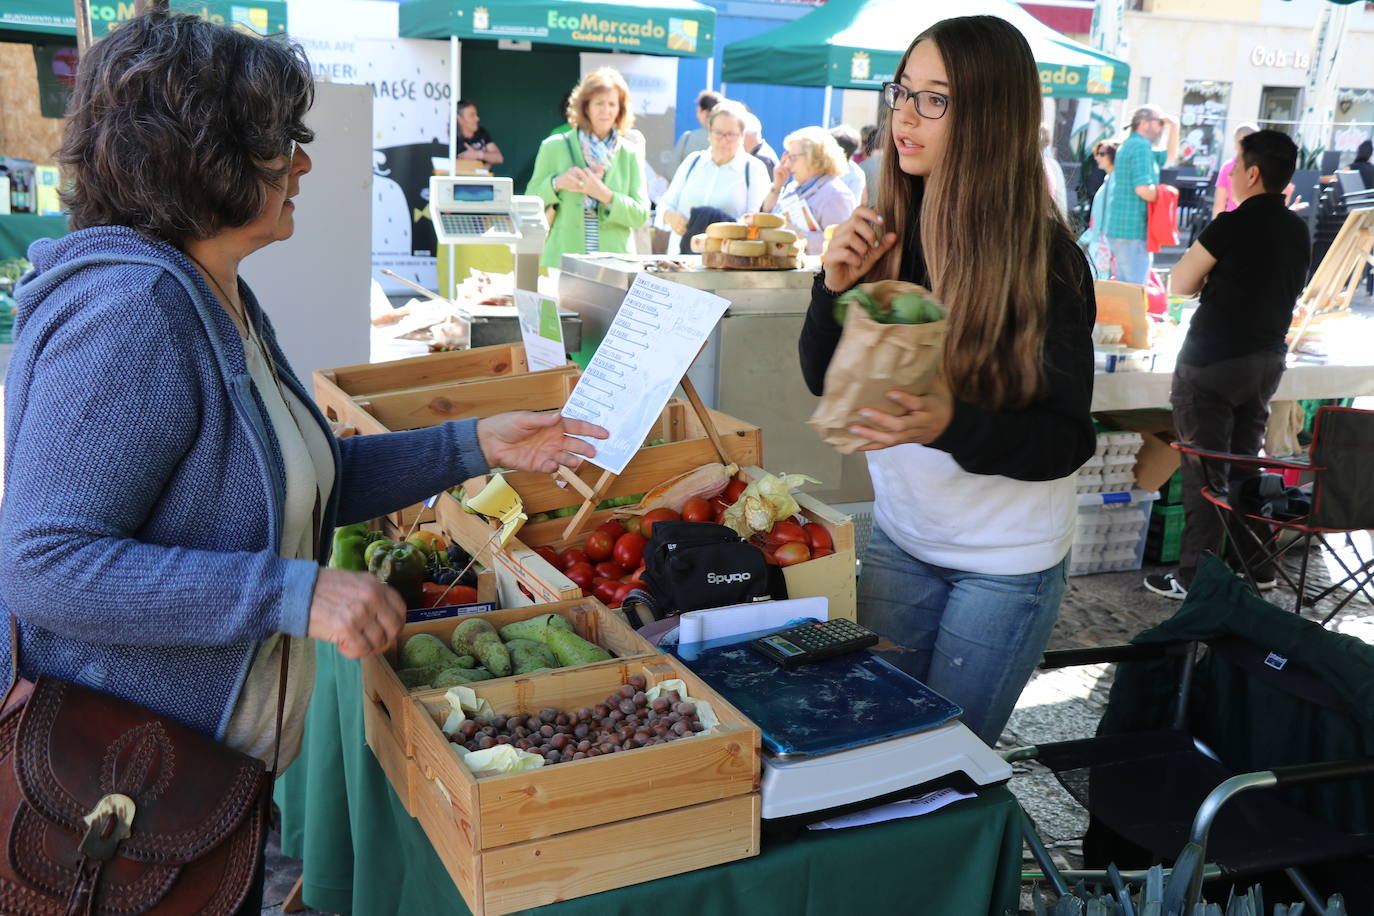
(625, 721)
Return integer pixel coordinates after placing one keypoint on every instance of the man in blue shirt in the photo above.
(1134, 186)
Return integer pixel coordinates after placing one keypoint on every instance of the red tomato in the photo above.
(610, 570)
(818, 538)
(458, 594)
(606, 592)
(633, 525)
(696, 509)
(549, 554)
(821, 552)
(785, 532)
(792, 553)
(581, 575)
(718, 512)
(598, 546)
(733, 489)
(629, 550)
(571, 557)
(614, 528)
(657, 515)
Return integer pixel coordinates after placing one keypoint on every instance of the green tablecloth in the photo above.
(19, 230)
(338, 810)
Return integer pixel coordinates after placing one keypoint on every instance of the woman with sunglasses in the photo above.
(1092, 241)
(974, 497)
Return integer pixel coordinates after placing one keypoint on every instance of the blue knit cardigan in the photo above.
(144, 488)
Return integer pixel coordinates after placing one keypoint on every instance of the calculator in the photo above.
(813, 642)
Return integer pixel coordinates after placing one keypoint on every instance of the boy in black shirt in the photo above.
(1251, 265)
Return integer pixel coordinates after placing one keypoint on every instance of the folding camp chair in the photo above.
(1341, 502)
(1261, 698)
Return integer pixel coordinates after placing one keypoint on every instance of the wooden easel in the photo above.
(593, 494)
(1338, 276)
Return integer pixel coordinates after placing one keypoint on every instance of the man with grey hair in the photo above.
(1134, 186)
(756, 146)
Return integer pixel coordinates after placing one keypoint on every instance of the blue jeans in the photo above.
(1133, 262)
(972, 637)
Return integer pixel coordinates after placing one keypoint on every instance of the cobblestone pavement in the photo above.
(1101, 610)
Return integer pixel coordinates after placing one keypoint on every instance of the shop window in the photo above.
(1202, 125)
(1279, 108)
(1354, 121)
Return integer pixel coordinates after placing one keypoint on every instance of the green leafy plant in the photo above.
(1310, 158)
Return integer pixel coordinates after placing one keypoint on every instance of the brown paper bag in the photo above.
(872, 359)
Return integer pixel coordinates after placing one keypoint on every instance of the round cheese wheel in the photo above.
(713, 244)
(726, 231)
(746, 248)
(764, 220)
(778, 235)
(698, 243)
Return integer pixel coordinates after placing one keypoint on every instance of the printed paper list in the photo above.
(656, 334)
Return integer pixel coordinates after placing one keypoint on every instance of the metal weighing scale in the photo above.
(844, 731)
(483, 210)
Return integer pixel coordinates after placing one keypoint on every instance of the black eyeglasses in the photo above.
(929, 104)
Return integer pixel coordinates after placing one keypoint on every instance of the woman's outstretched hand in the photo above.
(854, 247)
(538, 442)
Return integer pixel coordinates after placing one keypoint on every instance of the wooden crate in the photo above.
(527, 839)
(590, 619)
(427, 390)
(523, 577)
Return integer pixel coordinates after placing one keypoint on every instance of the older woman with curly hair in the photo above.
(812, 169)
(594, 173)
(169, 483)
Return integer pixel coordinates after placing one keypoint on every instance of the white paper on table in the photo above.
(647, 350)
(540, 330)
(907, 807)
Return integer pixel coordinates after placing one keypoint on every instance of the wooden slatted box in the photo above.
(389, 717)
(523, 577)
(528, 839)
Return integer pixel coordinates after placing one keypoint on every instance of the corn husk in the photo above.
(766, 500)
(707, 481)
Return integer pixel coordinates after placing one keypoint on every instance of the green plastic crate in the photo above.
(1165, 534)
(1171, 494)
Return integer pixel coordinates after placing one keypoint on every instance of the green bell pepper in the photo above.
(402, 566)
(350, 543)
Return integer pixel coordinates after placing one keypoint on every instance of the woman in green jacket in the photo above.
(594, 173)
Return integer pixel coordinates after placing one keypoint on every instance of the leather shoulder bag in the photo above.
(109, 808)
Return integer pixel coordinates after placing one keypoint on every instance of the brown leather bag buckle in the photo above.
(108, 825)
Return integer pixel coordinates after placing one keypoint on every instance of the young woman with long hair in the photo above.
(974, 492)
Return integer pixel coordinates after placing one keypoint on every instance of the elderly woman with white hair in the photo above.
(811, 169)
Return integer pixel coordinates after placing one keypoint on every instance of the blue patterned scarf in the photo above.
(598, 152)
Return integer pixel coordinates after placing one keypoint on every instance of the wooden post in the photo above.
(82, 9)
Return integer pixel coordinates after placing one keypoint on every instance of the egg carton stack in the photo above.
(1113, 516)
(1111, 469)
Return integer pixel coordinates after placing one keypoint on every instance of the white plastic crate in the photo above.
(1111, 530)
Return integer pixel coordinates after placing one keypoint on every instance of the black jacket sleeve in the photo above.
(1052, 437)
(819, 336)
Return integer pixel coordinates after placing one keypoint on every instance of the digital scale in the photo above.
(838, 734)
(484, 210)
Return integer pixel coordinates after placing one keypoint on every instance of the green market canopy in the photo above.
(857, 44)
(677, 28)
(39, 21)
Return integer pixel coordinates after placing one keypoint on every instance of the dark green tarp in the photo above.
(34, 20)
(857, 44)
